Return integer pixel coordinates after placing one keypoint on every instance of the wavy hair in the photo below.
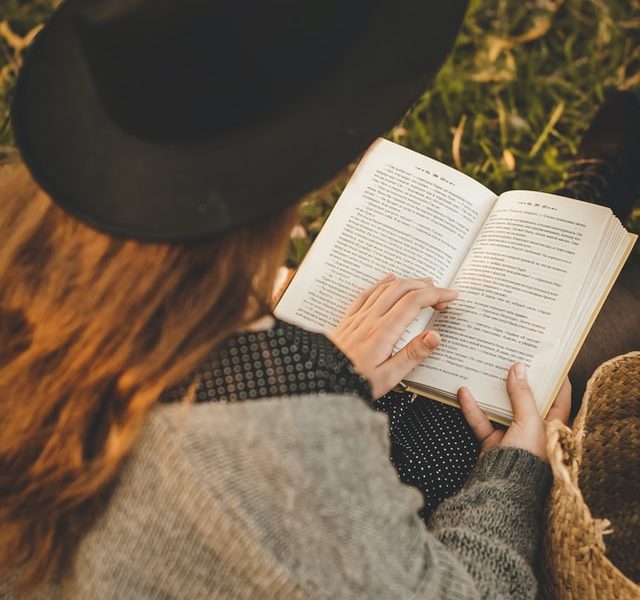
(92, 330)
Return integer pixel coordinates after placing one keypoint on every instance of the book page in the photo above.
(401, 213)
(518, 287)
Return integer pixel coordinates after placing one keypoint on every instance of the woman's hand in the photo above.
(527, 429)
(377, 319)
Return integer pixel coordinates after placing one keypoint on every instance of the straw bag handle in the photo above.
(564, 449)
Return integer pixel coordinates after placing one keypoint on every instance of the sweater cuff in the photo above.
(515, 464)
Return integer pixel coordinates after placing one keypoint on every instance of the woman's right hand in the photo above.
(377, 319)
(527, 428)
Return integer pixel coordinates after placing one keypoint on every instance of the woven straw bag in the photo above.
(596, 491)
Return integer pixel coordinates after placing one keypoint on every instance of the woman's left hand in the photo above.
(527, 429)
(377, 319)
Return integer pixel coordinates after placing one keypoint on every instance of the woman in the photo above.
(162, 435)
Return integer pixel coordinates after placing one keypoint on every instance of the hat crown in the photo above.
(179, 71)
(137, 116)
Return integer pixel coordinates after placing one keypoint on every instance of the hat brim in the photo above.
(150, 191)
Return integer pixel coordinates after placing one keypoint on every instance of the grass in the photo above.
(19, 22)
(508, 108)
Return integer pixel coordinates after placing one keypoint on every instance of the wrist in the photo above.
(517, 465)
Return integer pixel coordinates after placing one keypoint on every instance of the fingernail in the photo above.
(520, 371)
(431, 339)
(388, 276)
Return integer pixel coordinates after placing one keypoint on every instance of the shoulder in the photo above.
(240, 443)
(285, 494)
(200, 434)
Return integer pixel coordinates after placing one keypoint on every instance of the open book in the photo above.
(532, 270)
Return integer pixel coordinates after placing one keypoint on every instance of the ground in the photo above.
(508, 107)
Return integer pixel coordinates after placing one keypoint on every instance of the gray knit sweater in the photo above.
(296, 498)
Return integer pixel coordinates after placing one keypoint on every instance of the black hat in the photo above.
(173, 120)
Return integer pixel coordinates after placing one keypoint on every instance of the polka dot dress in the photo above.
(432, 447)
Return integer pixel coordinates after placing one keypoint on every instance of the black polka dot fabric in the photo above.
(432, 447)
(282, 361)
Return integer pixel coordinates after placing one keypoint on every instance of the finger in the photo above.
(394, 369)
(359, 302)
(406, 309)
(396, 290)
(396, 321)
(375, 295)
(482, 428)
(520, 394)
(441, 306)
(561, 407)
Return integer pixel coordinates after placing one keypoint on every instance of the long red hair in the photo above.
(92, 330)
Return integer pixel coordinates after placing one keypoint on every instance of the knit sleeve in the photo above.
(493, 525)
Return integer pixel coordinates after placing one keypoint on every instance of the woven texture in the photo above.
(592, 538)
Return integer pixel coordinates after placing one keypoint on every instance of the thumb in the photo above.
(392, 370)
(520, 394)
